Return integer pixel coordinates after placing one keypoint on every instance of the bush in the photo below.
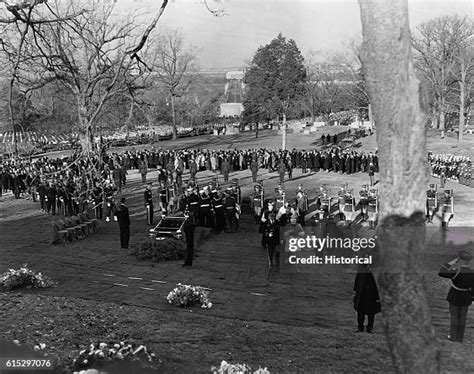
(24, 278)
(185, 295)
(161, 250)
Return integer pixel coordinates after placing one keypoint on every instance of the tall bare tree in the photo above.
(464, 74)
(88, 49)
(437, 43)
(175, 67)
(401, 137)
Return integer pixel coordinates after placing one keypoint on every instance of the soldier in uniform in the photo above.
(349, 208)
(271, 240)
(447, 208)
(364, 194)
(280, 198)
(230, 211)
(192, 203)
(372, 208)
(325, 209)
(42, 194)
(264, 217)
(431, 203)
(109, 200)
(163, 197)
(148, 196)
(301, 206)
(256, 202)
(341, 201)
(189, 227)
(204, 210)
(236, 191)
(52, 195)
(171, 192)
(219, 211)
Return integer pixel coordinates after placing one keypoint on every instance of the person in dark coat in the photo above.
(461, 292)
(366, 298)
(189, 227)
(123, 218)
(271, 240)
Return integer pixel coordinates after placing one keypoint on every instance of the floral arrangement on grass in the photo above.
(98, 355)
(169, 249)
(185, 295)
(24, 278)
(227, 368)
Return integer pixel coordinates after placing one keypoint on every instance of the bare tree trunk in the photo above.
(283, 145)
(129, 118)
(173, 116)
(256, 131)
(442, 120)
(462, 104)
(85, 132)
(12, 113)
(401, 138)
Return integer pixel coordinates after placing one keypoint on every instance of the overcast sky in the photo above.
(231, 40)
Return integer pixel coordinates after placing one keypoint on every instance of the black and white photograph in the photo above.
(236, 186)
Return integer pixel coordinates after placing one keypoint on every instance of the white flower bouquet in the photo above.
(98, 354)
(24, 278)
(186, 295)
(227, 368)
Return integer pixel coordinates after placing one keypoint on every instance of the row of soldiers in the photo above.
(439, 202)
(450, 167)
(285, 207)
(207, 206)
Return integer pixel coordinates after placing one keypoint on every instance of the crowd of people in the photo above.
(451, 167)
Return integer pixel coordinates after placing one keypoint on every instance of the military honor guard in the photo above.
(363, 202)
(163, 197)
(301, 205)
(230, 211)
(257, 200)
(326, 204)
(236, 191)
(204, 209)
(349, 208)
(219, 211)
(447, 206)
(171, 195)
(372, 208)
(280, 197)
(341, 194)
(431, 203)
(148, 197)
(271, 240)
(109, 190)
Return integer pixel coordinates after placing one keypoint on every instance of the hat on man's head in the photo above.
(447, 191)
(465, 255)
(432, 185)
